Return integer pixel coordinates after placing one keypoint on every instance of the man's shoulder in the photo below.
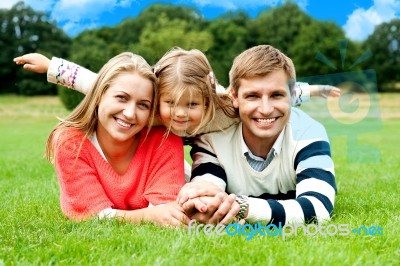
(304, 126)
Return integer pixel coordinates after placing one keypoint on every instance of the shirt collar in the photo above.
(276, 148)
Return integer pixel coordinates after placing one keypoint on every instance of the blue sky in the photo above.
(357, 17)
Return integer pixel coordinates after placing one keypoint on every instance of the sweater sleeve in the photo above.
(81, 193)
(301, 93)
(70, 75)
(166, 176)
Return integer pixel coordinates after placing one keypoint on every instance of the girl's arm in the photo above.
(304, 91)
(59, 71)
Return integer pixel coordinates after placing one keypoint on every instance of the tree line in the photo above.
(318, 48)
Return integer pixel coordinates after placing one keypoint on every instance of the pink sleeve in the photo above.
(81, 193)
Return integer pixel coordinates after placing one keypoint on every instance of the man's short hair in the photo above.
(260, 61)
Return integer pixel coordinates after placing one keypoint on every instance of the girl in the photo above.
(108, 160)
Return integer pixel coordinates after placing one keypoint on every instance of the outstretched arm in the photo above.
(59, 71)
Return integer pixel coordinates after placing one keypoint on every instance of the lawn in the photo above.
(34, 231)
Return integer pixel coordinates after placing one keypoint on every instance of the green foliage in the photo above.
(23, 31)
(162, 34)
(69, 98)
(384, 44)
(278, 27)
(230, 35)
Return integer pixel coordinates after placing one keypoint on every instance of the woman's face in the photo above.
(185, 115)
(125, 107)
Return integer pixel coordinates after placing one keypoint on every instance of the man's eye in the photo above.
(251, 96)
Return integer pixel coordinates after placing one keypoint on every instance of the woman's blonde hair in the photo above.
(85, 117)
(181, 70)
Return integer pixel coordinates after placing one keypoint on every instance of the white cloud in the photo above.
(74, 15)
(7, 3)
(361, 23)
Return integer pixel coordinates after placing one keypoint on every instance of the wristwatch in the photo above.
(244, 206)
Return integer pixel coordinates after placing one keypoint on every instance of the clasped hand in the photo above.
(207, 203)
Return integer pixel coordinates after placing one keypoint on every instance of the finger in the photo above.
(199, 205)
(189, 207)
(231, 215)
(224, 210)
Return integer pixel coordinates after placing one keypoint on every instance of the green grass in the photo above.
(34, 231)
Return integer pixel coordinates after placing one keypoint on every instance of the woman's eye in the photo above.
(144, 105)
(121, 97)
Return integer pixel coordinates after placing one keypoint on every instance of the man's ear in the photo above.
(234, 97)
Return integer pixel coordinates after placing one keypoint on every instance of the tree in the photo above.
(24, 31)
(230, 35)
(90, 52)
(162, 34)
(278, 26)
(384, 44)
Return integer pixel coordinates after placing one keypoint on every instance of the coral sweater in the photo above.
(88, 183)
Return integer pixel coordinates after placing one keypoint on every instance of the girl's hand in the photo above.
(33, 62)
(168, 215)
(324, 91)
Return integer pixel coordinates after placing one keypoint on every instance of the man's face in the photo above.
(264, 108)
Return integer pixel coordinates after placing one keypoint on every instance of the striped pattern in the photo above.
(297, 186)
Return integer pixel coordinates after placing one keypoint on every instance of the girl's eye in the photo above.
(170, 103)
(193, 105)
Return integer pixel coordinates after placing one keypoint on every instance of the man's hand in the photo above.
(197, 189)
(222, 208)
(33, 62)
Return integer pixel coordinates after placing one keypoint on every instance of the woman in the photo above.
(109, 161)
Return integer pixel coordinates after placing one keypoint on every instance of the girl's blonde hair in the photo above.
(180, 70)
(84, 117)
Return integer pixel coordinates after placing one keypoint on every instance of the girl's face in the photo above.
(124, 109)
(185, 115)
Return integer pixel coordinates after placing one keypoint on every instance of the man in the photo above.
(276, 162)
